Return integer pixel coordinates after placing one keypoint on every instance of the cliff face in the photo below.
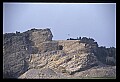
(35, 49)
(14, 55)
(17, 48)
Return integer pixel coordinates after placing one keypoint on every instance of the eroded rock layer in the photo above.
(34, 55)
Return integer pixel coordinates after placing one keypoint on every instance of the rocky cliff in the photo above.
(17, 48)
(33, 54)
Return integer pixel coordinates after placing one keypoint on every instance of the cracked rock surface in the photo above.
(34, 55)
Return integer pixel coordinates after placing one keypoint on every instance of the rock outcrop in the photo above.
(92, 73)
(17, 48)
(14, 56)
(98, 72)
(34, 55)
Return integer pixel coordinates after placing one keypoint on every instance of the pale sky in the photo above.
(97, 21)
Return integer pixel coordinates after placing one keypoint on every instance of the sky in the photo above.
(66, 20)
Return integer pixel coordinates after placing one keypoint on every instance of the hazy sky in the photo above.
(97, 21)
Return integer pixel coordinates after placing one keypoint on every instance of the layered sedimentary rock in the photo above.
(33, 54)
(92, 73)
(95, 72)
(17, 48)
(47, 46)
(14, 56)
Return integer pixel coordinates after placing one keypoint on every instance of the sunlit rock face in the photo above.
(34, 55)
(17, 48)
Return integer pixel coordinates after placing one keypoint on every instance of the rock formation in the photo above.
(34, 55)
(17, 48)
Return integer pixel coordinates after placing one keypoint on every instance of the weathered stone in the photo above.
(80, 62)
(35, 51)
(98, 72)
(14, 61)
(18, 47)
(45, 73)
(47, 46)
